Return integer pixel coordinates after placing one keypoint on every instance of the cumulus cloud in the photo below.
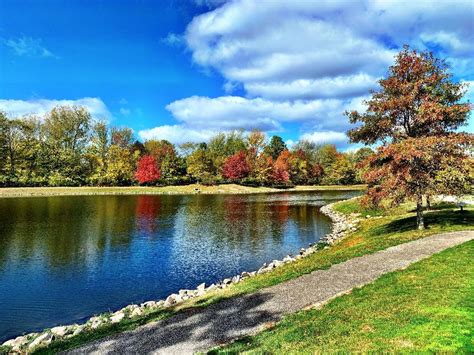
(337, 87)
(235, 112)
(177, 134)
(309, 61)
(39, 107)
(28, 47)
(337, 138)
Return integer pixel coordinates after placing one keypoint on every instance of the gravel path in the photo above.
(198, 330)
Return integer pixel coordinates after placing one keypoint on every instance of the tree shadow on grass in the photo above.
(192, 329)
(439, 218)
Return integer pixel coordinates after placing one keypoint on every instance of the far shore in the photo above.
(162, 190)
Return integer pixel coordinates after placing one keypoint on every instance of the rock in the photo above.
(226, 281)
(172, 299)
(95, 322)
(201, 287)
(136, 312)
(253, 273)
(245, 274)
(117, 317)
(43, 340)
(78, 329)
(17, 343)
(149, 304)
(211, 288)
(302, 250)
(59, 331)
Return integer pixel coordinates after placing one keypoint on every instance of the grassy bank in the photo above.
(162, 190)
(426, 308)
(388, 229)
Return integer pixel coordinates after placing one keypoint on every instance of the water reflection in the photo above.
(63, 259)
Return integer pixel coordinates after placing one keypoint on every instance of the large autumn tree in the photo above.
(414, 117)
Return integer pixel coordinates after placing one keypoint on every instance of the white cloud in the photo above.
(337, 138)
(28, 47)
(337, 87)
(173, 40)
(177, 134)
(235, 112)
(39, 107)
(124, 111)
(309, 61)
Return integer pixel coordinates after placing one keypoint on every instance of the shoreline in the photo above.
(192, 189)
(342, 224)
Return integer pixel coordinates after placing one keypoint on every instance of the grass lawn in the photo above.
(428, 307)
(160, 190)
(393, 227)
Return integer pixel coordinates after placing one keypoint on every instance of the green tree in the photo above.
(275, 147)
(98, 153)
(66, 132)
(200, 166)
(121, 166)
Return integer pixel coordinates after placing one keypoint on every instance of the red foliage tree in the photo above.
(281, 166)
(236, 166)
(414, 115)
(147, 172)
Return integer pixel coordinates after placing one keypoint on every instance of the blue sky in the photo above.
(184, 70)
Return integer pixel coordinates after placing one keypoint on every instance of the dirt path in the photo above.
(202, 329)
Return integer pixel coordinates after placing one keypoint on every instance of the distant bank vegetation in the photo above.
(68, 148)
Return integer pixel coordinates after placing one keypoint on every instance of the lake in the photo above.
(64, 259)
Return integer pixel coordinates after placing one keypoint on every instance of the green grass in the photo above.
(428, 307)
(394, 227)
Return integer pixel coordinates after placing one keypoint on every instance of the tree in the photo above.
(122, 137)
(414, 116)
(298, 167)
(341, 172)
(147, 172)
(280, 168)
(326, 155)
(275, 147)
(256, 141)
(166, 158)
(236, 167)
(120, 167)
(200, 166)
(263, 169)
(66, 132)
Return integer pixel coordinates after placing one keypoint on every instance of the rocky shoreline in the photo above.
(342, 224)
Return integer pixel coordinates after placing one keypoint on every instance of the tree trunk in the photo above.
(428, 202)
(420, 222)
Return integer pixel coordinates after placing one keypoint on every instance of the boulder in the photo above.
(43, 340)
(59, 331)
(17, 343)
(117, 317)
(201, 287)
(136, 312)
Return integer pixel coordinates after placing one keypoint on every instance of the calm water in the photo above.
(63, 259)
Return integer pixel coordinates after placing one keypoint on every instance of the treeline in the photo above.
(68, 148)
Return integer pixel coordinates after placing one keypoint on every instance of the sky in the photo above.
(183, 70)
